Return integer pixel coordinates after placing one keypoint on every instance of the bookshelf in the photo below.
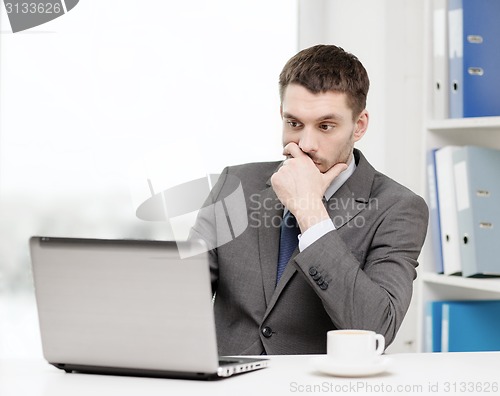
(480, 131)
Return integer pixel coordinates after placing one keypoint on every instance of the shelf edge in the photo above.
(484, 284)
(464, 123)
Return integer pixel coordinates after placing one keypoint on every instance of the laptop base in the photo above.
(229, 367)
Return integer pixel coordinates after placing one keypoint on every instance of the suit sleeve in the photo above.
(208, 229)
(374, 294)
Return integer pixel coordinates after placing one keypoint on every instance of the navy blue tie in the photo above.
(288, 242)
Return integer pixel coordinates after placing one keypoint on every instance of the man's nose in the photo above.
(308, 142)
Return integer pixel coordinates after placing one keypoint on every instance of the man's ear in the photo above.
(361, 125)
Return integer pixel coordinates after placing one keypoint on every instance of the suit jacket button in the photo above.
(320, 281)
(267, 332)
(317, 276)
(324, 285)
(313, 271)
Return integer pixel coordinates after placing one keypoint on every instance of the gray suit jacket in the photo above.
(358, 276)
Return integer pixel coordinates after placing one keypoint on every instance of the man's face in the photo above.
(321, 125)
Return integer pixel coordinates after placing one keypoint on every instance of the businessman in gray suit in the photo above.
(360, 233)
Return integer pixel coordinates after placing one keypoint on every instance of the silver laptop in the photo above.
(128, 307)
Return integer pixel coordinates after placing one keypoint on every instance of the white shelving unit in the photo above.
(481, 131)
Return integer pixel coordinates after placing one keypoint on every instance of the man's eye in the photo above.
(293, 124)
(326, 127)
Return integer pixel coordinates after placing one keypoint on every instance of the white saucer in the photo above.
(328, 365)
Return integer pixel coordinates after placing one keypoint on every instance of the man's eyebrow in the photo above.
(322, 118)
(330, 117)
(288, 115)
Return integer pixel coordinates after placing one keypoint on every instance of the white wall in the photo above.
(387, 36)
(103, 85)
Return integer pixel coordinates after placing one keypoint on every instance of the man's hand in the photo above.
(300, 186)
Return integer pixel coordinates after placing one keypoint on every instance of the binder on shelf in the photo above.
(433, 324)
(448, 219)
(469, 326)
(434, 223)
(477, 191)
(474, 58)
(440, 59)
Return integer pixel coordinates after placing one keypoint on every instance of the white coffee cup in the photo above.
(354, 346)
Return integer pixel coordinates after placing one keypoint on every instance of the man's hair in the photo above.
(324, 68)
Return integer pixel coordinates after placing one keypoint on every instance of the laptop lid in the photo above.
(125, 306)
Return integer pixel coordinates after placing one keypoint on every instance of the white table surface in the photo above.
(409, 374)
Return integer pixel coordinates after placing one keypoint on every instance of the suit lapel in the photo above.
(290, 270)
(270, 212)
